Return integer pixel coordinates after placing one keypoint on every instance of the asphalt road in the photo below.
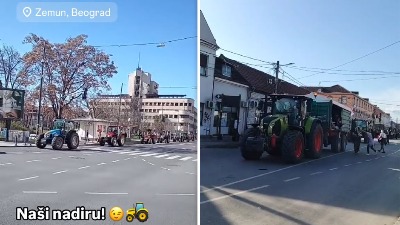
(337, 189)
(162, 176)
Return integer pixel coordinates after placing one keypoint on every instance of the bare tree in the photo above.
(12, 71)
(68, 69)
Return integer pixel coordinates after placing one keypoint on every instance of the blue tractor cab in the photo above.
(63, 132)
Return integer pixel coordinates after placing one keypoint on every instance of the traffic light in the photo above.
(84, 96)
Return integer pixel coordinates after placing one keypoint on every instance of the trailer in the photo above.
(329, 112)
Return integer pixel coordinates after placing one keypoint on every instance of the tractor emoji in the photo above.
(139, 212)
(115, 137)
(63, 132)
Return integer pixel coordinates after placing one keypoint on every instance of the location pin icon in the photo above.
(27, 11)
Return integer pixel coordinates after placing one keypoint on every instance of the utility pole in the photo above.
(40, 95)
(276, 77)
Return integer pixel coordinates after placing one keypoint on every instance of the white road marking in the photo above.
(177, 194)
(315, 173)
(127, 159)
(367, 160)
(348, 165)
(334, 168)
(174, 157)
(87, 154)
(56, 158)
(186, 158)
(63, 171)
(359, 162)
(190, 173)
(122, 153)
(160, 156)
(264, 174)
(295, 178)
(28, 178)
(150, 163)
(83, 167)
(383, 156)
(194, 160)
(138, 153)
(151, 154)
(101, 164)
(2, 164)
(104, 193)
(165, 168)
(8, 163)
(233, 194)
(39, 192)
(115, 161)
(143, 160)
(35, 160)
(37, 152)
(394, 169)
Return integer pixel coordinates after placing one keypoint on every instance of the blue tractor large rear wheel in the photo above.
(72, 140)
(57, 143)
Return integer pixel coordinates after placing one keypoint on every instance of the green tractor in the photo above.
(63, 132)
(286, 130)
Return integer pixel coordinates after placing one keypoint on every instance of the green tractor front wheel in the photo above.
(246, 149)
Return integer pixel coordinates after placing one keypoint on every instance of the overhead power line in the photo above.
(147, 43)
(371, 73)
(355, 59)
(245, 56)
(315, 69)
(372, 78)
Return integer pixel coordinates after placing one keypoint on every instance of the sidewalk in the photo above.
(213, 142)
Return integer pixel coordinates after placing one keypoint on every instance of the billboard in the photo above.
(11, 103)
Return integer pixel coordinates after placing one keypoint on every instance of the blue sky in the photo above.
(139, 21)
(316, 34)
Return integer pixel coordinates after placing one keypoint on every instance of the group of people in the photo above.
(358, 134)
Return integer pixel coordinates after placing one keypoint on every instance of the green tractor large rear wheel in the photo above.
(293, 146)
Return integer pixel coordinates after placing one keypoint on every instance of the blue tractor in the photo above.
(63, 132)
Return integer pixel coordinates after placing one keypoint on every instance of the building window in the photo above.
(175, 116)
(176, 104)
(344, 100)
(203, 64)
(201, 113)
(226, 70)
(163, 104)
(181, 104)
(190, 104)
(185, 104)
(167, 103)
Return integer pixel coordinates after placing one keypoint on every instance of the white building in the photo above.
(179, 113)
(140, 84)
(208, 49)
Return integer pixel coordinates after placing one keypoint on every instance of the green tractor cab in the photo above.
(63, 132)
(286, 129)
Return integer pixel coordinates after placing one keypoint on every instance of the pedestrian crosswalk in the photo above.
(142, 153)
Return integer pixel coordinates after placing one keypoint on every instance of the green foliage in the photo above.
(18, 125)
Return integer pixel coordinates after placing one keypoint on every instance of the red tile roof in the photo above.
(260, 81)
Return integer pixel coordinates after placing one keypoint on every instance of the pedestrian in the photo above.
(382, 137)
(370, 143)
(356, 139)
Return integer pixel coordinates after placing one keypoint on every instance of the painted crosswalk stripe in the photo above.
(160, 156)
(194, 160)
(151, 154)
(174, 157)
(186, 158)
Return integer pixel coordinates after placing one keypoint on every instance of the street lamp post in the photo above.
(40, 95)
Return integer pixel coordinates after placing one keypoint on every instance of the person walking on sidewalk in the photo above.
(382, 137)
(370, 142)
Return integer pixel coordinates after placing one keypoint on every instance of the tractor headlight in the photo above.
(47, 135)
